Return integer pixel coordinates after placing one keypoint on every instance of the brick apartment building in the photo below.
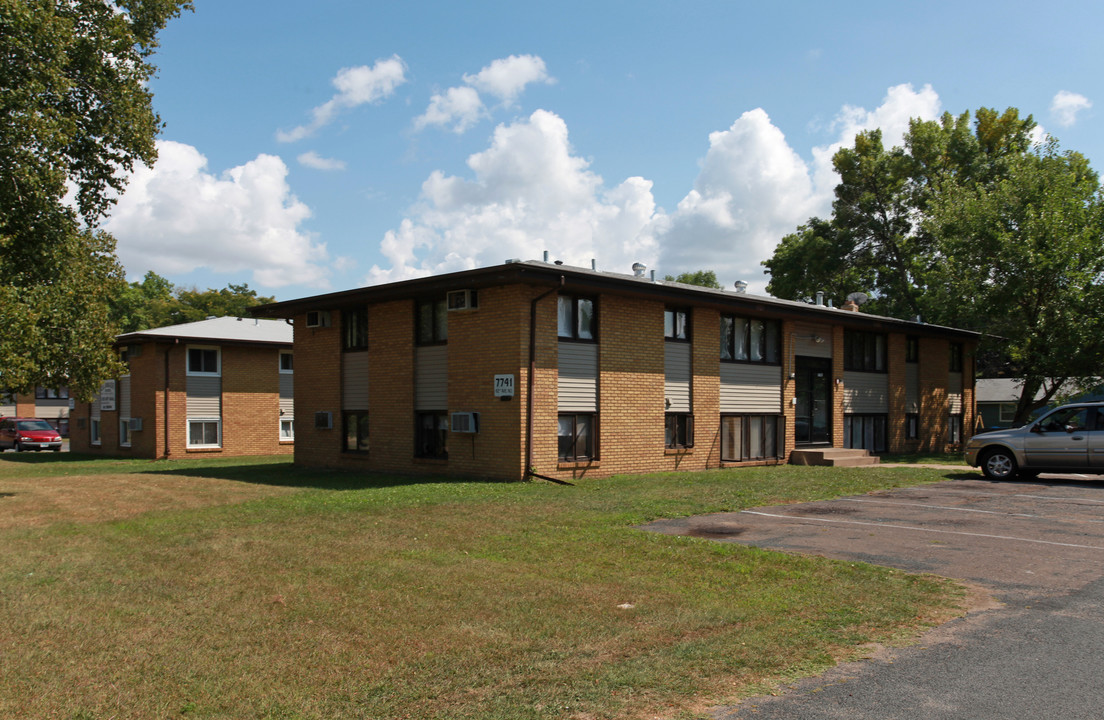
(564, 371)
(221, 385)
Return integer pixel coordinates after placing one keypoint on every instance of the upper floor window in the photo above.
(676, 324)
(432, 322)
(203, 361)
(576, 320)
(912, 349)
(751, 340)
(42, 393)
(956, 357)
(864, 351)
(287, 364)
(354, 333)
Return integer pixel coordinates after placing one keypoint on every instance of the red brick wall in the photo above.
(492, 340)
(630, 385)
(489, 341)
(705, 326)
(546, 383)
(934, 354)
(317, 389)
(897, 369)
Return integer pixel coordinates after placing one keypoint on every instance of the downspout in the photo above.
(166, 393)
(529, 472)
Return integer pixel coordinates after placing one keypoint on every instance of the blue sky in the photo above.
(324, 147)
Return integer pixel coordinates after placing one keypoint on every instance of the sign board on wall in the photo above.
(503, 385)
(107, 396)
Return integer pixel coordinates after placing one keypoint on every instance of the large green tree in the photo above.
(75, 115)
(702, 278)
(156, 302)
(954, 226)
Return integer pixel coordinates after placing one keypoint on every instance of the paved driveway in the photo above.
(1038, 547)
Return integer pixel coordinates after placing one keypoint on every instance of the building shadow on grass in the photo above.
(287, 475)
(44, 457)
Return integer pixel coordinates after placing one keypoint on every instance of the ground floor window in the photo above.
(912, 426)
(356, 431)
(94, 431)
(431, 436)
(954, 428)
(679, 431)
(287, 428)
(204, 433)
(865, 432)
(751, 437)
(577, 436)
(124, 433)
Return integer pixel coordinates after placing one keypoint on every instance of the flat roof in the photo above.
(220, 329)
(577, 279)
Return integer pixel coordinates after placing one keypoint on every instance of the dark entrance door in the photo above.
(813, 389)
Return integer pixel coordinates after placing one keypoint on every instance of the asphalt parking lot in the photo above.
(1037, 548)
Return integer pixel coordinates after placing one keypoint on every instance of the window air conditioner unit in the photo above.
(462, 300)
(318, 318)
(135, 424)
(323, 420)
(465, 422)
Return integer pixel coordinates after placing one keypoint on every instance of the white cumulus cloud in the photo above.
(355, 86)
(1067, 105)
(177, 217)
(459, 108)
(505, 78)
(314, 160)
(527, 192)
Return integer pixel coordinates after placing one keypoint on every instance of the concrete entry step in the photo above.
(834, 457)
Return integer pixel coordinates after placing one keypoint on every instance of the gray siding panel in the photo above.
(354, 376)
(676, 377)
(748, 388)
(431, 378)
(578, 377)
(804, 340)
(865, 392)
(204, 397)
(124, 398)
(912, 388)
(954, 392)
(287, 395)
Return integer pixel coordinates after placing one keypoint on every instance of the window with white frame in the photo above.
(1007, 412)
(287, 428)
(203, 361)
(94, 431)
(124, 432)
(286, 362)
(204, 433)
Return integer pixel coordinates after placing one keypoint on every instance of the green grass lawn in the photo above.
(254, 589)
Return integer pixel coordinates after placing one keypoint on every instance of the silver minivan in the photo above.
(1067, 439)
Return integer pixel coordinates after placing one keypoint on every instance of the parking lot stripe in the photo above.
(919, 529)
(941, 507)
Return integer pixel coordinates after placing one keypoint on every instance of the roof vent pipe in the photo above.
(546, 256)
(653, 275)
(638, 269)
(820, 298)
(741, 286)
(593, 263)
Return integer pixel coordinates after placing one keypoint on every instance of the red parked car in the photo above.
(28, 434)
